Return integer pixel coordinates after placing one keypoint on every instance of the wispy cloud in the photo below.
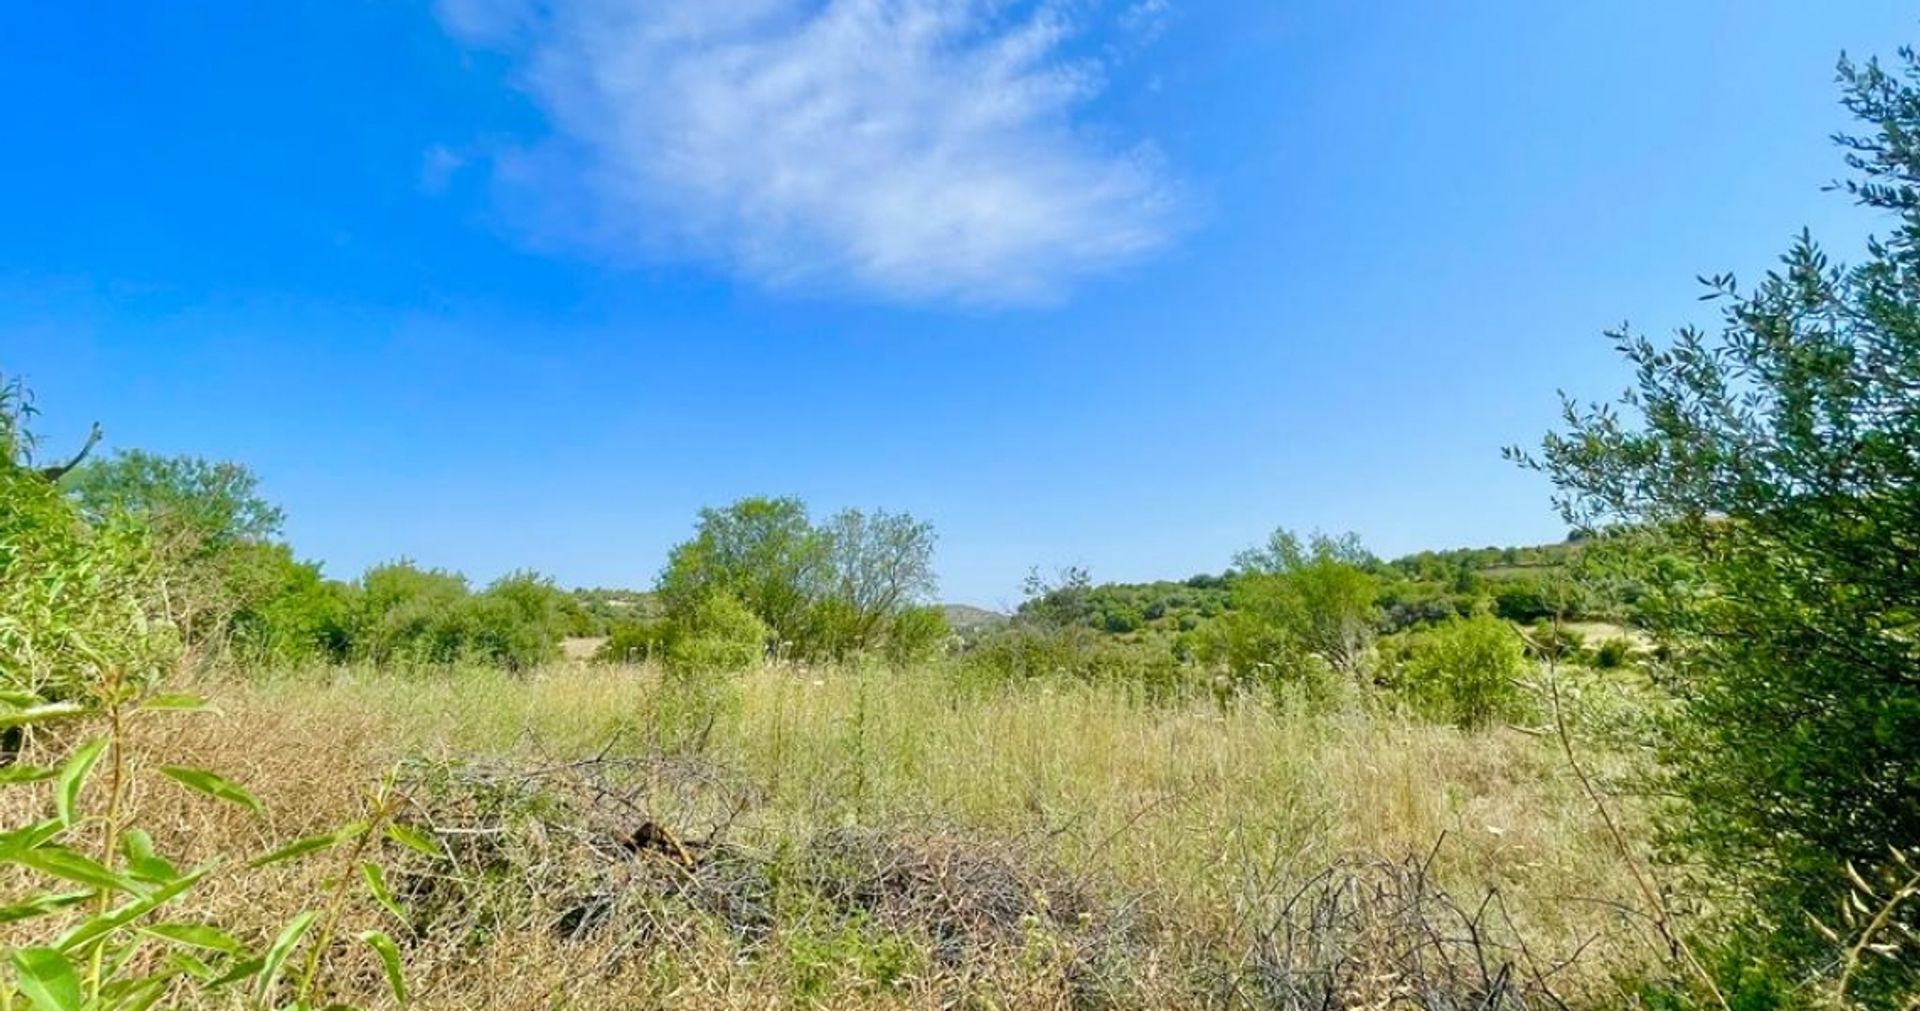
(911, 148)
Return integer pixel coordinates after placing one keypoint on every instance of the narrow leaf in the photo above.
(65, 863)
(26, 774)
(413, 839)
(142, 862)
(194, 935)
(73, 776)
(47, 978)
(142, 995)
(44, 713)
(181, 961)
(298, 848)
(383, 946)
(178, 704)
(212, 785)
(28, 837)
(240, 971)
(41, 906)
(276, 956)
(113, 919)
(377, 884)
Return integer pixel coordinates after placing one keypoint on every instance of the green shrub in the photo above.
(1292, 602)
(634, 642)
(517, 622)
(718, 633)
(294, 616)
(1613, 654)
(1023, 650)
(1465, 671)
(915, 635)
(827, 590)
(1524, 600)
(91, 912)
(75, 600)
(209, 530)
(405, 616)
(1553, 641)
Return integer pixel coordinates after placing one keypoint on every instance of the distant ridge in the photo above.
(964, 616)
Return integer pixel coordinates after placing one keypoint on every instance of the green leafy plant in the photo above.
(84, 660)
(113, 944)
(1767, 470)
(1466, 671)
(718, 633)
(1298, 610)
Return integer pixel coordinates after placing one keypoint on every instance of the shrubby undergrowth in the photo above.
(1738, 601)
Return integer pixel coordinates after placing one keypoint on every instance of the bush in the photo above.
(407, 616)
(1293, 603)
(1024, 650)
(915, 635)
(634, 642)
(517, 623)
(1525, 601)
(826, 589)
(295, 616)
(210, 532)
(403, 615)
(1465, 671)
(74, 600)
(81, 660)
(1613, 654)
(718, 633)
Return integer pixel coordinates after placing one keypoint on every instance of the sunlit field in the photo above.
(840, 837)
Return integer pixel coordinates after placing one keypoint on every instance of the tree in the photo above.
(201, 518)
(719, 634)
(916, 634)
(1772, 465)
(293, 615)
(1063, 602)
(1292, 602)
(216, 504)
(517, 622)
(882, 564)
(822, 590)
(403, 614)
(764, 552)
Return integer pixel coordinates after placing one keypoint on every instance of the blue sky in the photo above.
(1119, 283)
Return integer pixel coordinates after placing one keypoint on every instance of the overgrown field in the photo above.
(607, 837)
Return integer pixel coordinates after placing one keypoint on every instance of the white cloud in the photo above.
(913, 148)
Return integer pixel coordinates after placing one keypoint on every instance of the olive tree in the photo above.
(1770, 463)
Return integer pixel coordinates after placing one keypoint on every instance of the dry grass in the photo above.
(875, 840)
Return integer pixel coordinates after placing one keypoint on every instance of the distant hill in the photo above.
(961, 617)
(600, 609)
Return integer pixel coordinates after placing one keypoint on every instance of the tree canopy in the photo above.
(1769, 468)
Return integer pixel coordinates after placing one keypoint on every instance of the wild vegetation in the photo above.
(1671, 763)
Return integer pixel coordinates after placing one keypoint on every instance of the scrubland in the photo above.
(617, 837)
